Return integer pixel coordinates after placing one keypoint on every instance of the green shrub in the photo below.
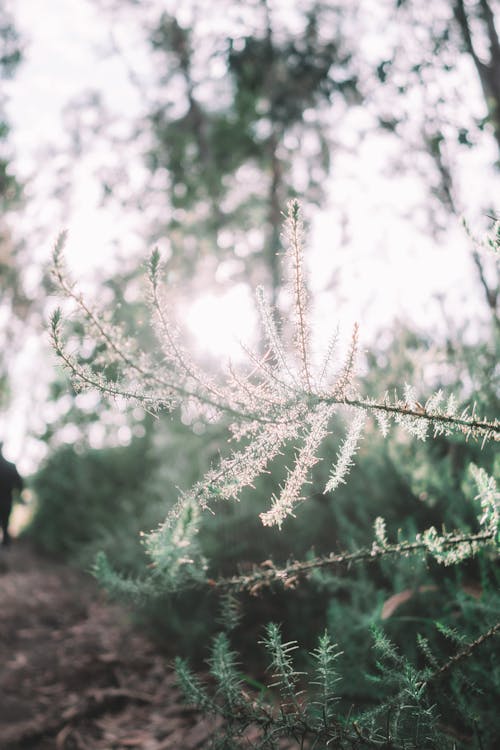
(411, 598)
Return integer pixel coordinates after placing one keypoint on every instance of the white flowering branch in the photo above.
(277, 400)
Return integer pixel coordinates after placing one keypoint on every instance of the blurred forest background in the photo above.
(188, 125)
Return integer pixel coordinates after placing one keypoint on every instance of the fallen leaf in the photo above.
(396, 600)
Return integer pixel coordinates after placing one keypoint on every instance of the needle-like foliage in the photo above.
(280, 401)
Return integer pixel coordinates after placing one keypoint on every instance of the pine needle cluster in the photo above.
(310, 709)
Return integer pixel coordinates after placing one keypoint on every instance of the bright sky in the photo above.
(390, 268)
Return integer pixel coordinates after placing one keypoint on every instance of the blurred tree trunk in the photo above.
(488, 69)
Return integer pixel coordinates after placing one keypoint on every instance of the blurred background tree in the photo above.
(247, 129)
(247, 105)
(13, 305)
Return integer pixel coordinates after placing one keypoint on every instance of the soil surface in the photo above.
(75, 675)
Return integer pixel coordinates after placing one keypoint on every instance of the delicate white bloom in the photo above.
(343, 383)
(442, 551)
(380, 532)
(451, 405)
(489, 497)
(241, 468)
(329, 359)
(306, 458)
(415, 426)
(294, 257)
(410, 396)
(383, 422)
(433, 403)
(273, 339)
(346, 452)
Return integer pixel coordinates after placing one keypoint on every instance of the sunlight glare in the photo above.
(221, 323)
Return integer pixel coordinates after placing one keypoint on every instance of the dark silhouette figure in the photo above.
(9, 481)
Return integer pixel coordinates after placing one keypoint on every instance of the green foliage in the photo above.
(10, 57)
(223, 669)
(315, 710)
(415, 528)
(14, 304)
(96, 500)
(327, 678)
(238, 122)
(282, 668)
(174, 549)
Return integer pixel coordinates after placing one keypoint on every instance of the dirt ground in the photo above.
(74, 673)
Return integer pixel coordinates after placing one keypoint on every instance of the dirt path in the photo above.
(74, 674)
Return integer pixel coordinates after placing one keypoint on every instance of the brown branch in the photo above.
(267, 574)
(463, 22)
(469, 424)
(152, 400)
(489, 19)
(490, 293)
(489, 73)
(294, 237)
(463, 654)
(442, 670)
